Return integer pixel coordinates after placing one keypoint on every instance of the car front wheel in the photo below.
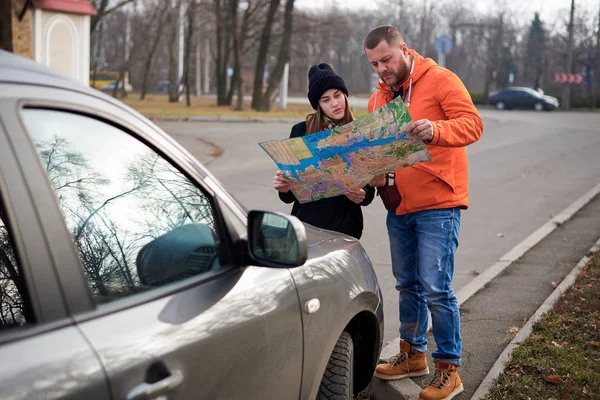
(338, 380)
(500, 105)
(538, 106)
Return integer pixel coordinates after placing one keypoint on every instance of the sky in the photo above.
(548, 9)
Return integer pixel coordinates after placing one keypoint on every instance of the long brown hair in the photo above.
(317, 121)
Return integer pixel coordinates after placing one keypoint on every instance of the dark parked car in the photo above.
(127, 271)
(522, 97)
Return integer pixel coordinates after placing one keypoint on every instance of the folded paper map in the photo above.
(325, 164)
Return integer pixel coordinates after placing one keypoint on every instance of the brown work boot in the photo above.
(404, 364)
(445, 384)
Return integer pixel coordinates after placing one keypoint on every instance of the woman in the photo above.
(327, 94)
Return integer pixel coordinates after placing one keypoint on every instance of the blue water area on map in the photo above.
(313, 140)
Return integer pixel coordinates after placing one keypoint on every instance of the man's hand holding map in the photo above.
(325, 164)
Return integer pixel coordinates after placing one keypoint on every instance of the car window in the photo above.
(527, 93)
(15, 308)
(136, 220)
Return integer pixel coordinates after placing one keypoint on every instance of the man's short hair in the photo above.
(391, 35)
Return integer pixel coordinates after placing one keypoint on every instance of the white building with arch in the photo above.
(58, 32)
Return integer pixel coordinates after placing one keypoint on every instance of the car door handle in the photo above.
(146, 391)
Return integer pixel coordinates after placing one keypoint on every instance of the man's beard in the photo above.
(397, 78)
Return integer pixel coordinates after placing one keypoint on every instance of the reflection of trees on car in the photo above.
(12, 287)
(183, 204)
(102, 244)
(112, 219)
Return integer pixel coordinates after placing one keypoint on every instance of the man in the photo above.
(423, 230)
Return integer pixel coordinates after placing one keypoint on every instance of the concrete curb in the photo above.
(219, 118)
(408, 389)
(525, 332)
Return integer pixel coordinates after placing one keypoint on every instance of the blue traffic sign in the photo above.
(443, 44)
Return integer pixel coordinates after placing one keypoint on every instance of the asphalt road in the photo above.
(527, 167)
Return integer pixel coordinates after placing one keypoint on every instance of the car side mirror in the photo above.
(276, 240)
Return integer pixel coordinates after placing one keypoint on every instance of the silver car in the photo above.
(127, 271)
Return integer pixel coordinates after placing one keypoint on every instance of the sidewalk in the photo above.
(508, 301)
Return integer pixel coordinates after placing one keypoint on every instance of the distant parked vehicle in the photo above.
(102, 77)
(162, 87)
(111, 86)
(522, 97)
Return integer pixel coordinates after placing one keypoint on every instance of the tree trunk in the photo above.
(591, 97)
(221, 83)
(424, 35)
(538, 79)
(148, 63)
(493, 66)
(96, 60)
(597, 69)
(162, 21)
(222, 54)
(191, 12)
(261, 60)
(282, 59)
(117, 92)
(173, 84)
(450, 56)
(237, 33)
(566, 93)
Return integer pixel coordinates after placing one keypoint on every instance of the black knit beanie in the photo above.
(321, 78)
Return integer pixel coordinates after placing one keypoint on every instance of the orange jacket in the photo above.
(440, 96)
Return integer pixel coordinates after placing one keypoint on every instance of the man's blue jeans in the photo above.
(423, 246)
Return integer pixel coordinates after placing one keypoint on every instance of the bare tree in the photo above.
(535, 52)
(424, 31)
(104, 8)
(566, 92)
(191, 14)
(158, 20)
(262, 101)
(494, 48)
(175, 81)
(235, 38)
(223, 33)
(597, 64)
(261, 60)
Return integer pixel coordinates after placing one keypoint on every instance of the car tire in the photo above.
(338, 380)
(500, 105)
(538, 106)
